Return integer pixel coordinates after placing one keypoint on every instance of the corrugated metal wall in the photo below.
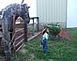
(50, 11)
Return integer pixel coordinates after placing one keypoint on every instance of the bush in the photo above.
(54, 29)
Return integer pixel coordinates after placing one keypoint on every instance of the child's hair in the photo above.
(44, 31)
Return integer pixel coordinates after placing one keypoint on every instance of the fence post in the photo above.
(37, 23)
(33, 27)
(25, 30)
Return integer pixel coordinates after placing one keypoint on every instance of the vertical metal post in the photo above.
(33, 27)
(37, 23)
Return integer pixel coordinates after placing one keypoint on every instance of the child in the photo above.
(44, 41)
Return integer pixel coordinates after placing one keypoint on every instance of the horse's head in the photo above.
(17, 10)
(25, 13)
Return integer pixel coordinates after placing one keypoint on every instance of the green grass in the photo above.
(58, 50)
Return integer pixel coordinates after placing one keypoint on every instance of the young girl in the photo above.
(44, 41)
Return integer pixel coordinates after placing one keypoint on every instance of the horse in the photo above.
(7, 15)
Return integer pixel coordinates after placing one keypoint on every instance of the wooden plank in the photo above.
(19, 25)
(19, 33)
(19, 30)
(34, 36)
(19, 37)
(19, 48)
(19, 43)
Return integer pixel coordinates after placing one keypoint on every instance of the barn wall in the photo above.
(71, 13)
(50, 11)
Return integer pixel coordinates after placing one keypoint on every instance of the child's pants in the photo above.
(45, 46)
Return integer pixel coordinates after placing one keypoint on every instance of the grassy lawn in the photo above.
(59, 50)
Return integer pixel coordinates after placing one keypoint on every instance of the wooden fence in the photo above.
(18, 34)
(33, 26)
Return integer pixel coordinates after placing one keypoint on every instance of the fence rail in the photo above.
(18, 35)
(33, 27)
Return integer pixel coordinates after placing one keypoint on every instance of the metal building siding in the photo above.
(50, 11)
